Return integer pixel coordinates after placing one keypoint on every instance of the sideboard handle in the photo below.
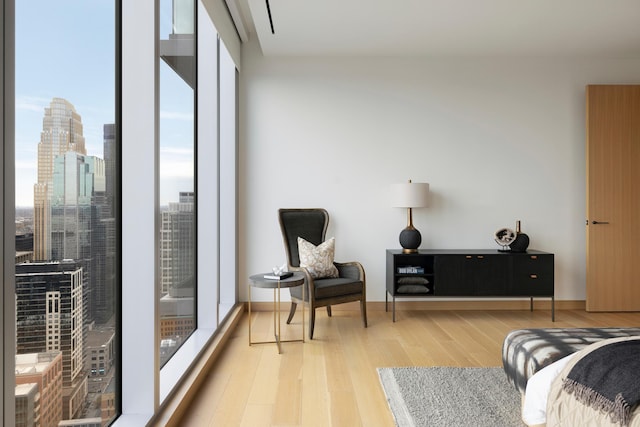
(534, 256)
(534, 276)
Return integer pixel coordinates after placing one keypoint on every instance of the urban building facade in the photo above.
(44, 371)
(177, 243)
(177, 274)
(27, 405)
(77, 207)
(49, 317)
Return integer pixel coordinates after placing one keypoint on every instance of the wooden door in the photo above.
(613, 198)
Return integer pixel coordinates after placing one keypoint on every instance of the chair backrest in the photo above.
(310, 224)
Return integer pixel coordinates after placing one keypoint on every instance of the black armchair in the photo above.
(350, 285)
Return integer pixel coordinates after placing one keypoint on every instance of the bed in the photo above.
(598, 386)
(526, 351)
(537, 362)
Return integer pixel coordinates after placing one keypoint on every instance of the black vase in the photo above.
(521, 243)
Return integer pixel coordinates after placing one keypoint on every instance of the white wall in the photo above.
(498, 140)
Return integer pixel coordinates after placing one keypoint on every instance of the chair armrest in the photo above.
(302, 270)
(352, 270)
(308, 280)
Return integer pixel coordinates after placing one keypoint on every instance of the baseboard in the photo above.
(445, 304)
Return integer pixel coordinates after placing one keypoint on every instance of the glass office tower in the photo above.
(61, 132)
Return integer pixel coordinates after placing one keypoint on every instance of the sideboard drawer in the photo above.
(532, 275)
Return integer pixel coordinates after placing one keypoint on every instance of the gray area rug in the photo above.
(449, 396)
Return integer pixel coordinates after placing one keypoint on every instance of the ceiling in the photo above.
(607, 28)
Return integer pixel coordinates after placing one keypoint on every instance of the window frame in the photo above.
(140, 252)
(7, 193)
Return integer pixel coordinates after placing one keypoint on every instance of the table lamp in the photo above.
(410, 195)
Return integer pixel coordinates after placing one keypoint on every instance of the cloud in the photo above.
(32, 103)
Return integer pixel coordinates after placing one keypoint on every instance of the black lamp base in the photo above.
(410, 240)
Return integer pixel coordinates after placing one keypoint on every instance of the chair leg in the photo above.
(292, 311)
(312, 321)
(363, 311)
(329, 310)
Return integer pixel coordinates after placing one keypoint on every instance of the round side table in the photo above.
(259, 281)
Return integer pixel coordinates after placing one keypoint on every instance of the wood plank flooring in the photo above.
(332, 379)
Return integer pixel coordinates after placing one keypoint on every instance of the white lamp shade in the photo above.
(410, 195)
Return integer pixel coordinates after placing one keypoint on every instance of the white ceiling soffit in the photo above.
(609, 28)
(238, 21)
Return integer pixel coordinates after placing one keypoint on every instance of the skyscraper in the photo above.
(104, 236)
(110, 162)
(61, 132)
(75, 207)
(76, 180)
(177, 266)
(49, 317)
(177, 243)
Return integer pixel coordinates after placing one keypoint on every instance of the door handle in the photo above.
(599, 222)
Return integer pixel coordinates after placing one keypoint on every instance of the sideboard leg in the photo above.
(393, 304)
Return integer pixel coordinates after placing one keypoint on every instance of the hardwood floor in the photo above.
(332, 379)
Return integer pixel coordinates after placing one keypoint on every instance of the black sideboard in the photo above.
(469, 273)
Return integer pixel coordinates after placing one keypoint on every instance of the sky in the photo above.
(66, 49)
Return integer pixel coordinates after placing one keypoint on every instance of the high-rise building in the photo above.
(110, 163)
(104, 236)
(44, 371)
(177, 254)
(177, 243)
(76, 206)
(61, 132)
(27, 405)
(49, 317)
(76, 179)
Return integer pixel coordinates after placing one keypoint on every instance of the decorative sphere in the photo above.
(410, 238)
(520, 244)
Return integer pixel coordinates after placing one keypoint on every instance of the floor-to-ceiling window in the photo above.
(227, 173)
(105, 181)
(177, 84)
(213, 173)
(179, 124)
(66, 211)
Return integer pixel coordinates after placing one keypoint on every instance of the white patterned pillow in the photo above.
(318, 260)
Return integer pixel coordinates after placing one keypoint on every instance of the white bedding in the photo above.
(534, 407)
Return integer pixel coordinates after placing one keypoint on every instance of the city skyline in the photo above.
(51, 63)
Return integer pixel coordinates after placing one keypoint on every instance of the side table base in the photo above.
(277, 314)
